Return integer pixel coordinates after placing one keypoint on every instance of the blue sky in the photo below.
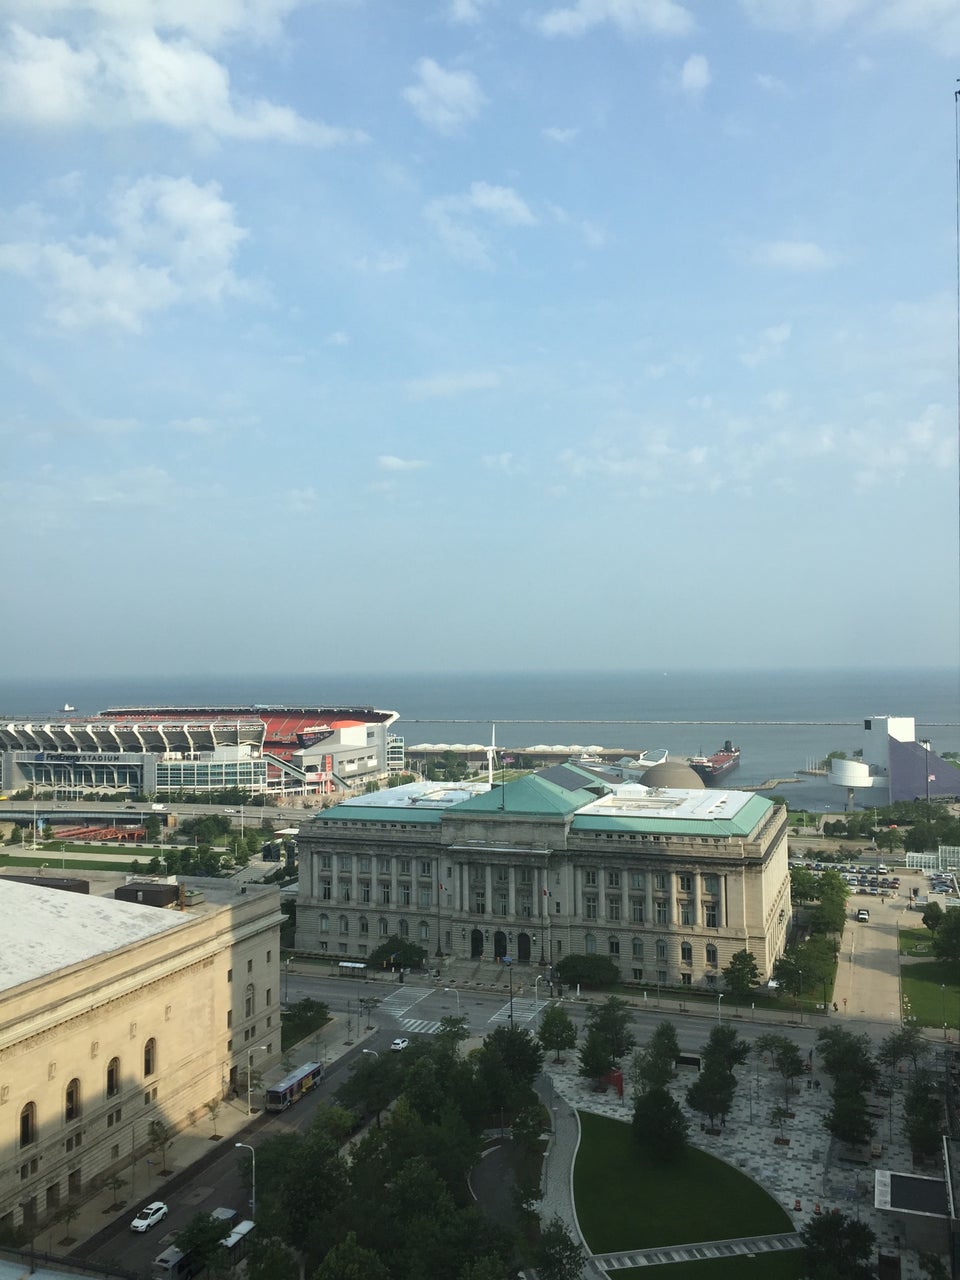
(438, 334)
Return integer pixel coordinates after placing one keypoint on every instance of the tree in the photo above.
(932, 916)
(590, 971)
(659, 1127)
(741, 974)
(612, 1019)
(527, 1127)
(836, 1247)
(558, 1256)
(847, 1118)
(213, 1110)
(890, 839)
(371, 1086)
(159, 1138)
(397, 953)
(725, 1045)
(270, 1259)
(844, 1054)
(712, 1091)
(350, 1261)
(923, 1113)
(201, 1237)
(654, 1066)
(786, 1058)
(558, 1031)
(596, 1056)
(899, 1046)
(946, 940)
(803, 888)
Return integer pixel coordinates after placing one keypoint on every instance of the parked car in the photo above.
(149, 1216)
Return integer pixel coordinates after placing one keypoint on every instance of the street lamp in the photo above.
(536, 997)
(719, 998)
(510, 968)
(943, 1007)
(286, 978)
(457, 994)
(250, 1052)
(253, 1177)
(800, 994)
(925, 743)
(372, 1052)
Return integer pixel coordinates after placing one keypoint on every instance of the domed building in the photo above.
(675, 774)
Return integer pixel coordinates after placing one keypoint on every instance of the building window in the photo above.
(382, 927)
(384, 866)
(638, 880)
(344, 924)
(71, 1108)
(344, 890)
(613, 908)
(150, 1057)
(229, 975)
(686, 913)
(711, 955)
(426, 868)
(638, 975)
(385, 895)
(613, 945)
(405, 864)
(404, 895)
(249, 1001)
(249, 966)
(323, 924)
(502, 875)
(711, 885)
(365, 864)
(326, 890)
(686, 979)
(526, 875)
(269, 956)
(661, 949)
(711, 915)
(636, 910)
(365, 891)
(613, 879)
(403, 929)
(590, 907)
(364, 926)
(425, 897)
(326, 862)
(662, 911)
(590, 878)
(500, 905)
(424, 931)
(660, 881)
(638, 948)
(113, 1077)
(686, 953)
(229, 1019)
(662, 976)
(28, 1124)
(479, 903)
(685, 884)
(590, 945)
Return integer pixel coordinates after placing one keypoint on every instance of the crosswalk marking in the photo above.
(419, 1026)
(400, 1001)
(524, 1010)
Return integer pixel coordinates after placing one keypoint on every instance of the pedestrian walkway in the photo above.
(808, 1176)
(746, 1247)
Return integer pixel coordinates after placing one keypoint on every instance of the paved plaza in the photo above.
(808, 1171)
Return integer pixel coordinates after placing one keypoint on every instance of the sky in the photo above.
(425, 335)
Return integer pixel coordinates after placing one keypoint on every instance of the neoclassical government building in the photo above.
(667, 880)
(114, 1014)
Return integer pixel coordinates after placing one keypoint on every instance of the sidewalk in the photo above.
(189, 1152)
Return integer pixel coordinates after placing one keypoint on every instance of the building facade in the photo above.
(668, 883)
(115, 1014)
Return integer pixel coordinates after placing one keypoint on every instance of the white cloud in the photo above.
(631, 17)
(444, 100)
(760, 348)
(195, 426)
(467, 12)
(695, 75)
(563, 136)
(390, 462)
(505, 462)
(452, 218)
(136, 487)
(171, 242)
(443, 385)
(935, 21)
(299, 499)
(382, 263)
(210, 22)
(792, 255)
(769, 83)
(803, 15)
(338, 338)
(120, 75)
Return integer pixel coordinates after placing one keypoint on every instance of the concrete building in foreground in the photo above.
(667, 881)
(114, 1014)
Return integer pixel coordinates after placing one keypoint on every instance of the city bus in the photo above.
(292, 1087)
(238, 1241)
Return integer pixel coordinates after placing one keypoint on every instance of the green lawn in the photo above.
(931, 993)
(915, 942)
(626, 1202)
(768, 1266)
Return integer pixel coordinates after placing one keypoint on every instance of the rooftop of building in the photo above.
(46, 929)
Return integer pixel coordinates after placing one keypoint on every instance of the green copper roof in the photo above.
(738, 826)
(536, 793)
